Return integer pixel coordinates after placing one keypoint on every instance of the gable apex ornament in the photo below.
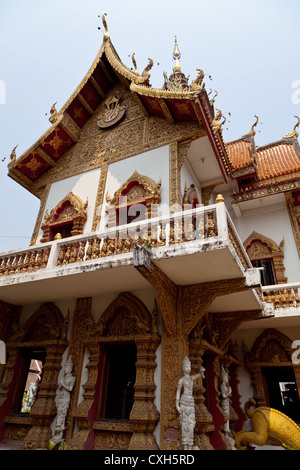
(112, 114)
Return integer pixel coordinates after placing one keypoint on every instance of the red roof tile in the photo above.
(239, 154)
(277, 160)
(272, 161)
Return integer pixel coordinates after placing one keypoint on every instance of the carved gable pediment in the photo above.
(137, 189)
(70, 210)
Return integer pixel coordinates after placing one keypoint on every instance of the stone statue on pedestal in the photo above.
(185, 405)
(226, 393)
(64, 390)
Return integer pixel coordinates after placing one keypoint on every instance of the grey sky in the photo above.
(248, 47)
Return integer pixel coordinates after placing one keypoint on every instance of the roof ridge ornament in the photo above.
(176, 57)
(134, 63)
(53, 113)
(294, 133)
(13, 156)
(252, 131)
(106, 34)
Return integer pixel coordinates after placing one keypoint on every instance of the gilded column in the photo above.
(76, 349)
(99, 197)
(44, 409)
(85, 412)
(144, 416)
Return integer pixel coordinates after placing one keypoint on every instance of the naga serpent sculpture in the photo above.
(268, 423)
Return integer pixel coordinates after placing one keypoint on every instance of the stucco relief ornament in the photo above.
(185, 405)
(64, 390)
(112, 114)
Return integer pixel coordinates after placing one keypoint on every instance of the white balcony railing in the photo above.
(282, 295)
(204, 224)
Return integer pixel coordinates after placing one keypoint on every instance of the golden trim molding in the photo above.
(294, 215)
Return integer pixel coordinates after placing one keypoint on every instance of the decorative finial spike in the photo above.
(294, 133)
(106, 35)
(252, 131)
(219, 199)
(176, 57)
(13, 156)
(53, 113)
(134, 63)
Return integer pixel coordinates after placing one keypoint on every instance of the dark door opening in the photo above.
(282, 390)
(120, 381)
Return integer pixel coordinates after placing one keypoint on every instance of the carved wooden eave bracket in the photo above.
(182, 306)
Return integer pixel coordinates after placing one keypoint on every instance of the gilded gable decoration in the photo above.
(71, 210)
(45, 324)
(113, 113)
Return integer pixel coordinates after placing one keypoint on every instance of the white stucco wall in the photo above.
(153, 164)
(272, 221)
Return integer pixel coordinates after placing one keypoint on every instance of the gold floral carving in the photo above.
(99, 197)
(294, 215)
(76, 350)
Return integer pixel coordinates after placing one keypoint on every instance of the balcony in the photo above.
(193, 246)
(283, 296)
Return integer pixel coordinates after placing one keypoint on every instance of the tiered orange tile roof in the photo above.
(277, 160)
(239, 154)
(274, 160)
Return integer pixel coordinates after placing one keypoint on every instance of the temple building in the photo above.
(156, 245)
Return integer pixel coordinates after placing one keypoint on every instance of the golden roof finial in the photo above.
(252, 131)
(176, 57)
(53, 113)
(294, 132)
(13, 156)
(106, 35)
(134, 63)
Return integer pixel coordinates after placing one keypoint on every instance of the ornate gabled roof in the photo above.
(274, 167)
(173, 102)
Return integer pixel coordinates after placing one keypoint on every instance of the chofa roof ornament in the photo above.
(294, 133)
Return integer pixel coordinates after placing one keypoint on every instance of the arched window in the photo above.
(134, 200)
(67, 219)
(265, 253)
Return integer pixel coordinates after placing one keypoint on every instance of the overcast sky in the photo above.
(249, 48)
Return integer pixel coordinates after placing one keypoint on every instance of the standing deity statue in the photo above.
(186, 406)
(226, 393)
(64, 390)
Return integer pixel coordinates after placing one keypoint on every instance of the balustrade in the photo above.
(201, 224)
(282, 295)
